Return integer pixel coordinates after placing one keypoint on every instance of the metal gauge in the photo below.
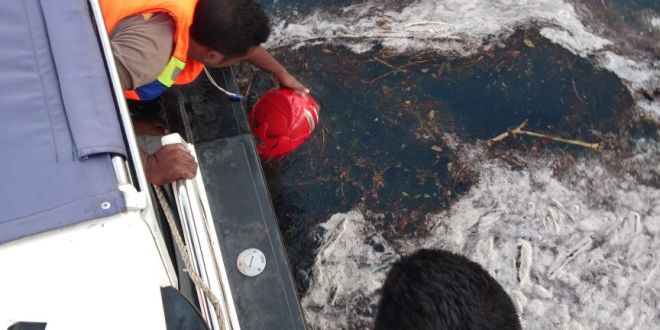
(251, 262)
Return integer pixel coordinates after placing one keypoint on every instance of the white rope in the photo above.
(234, 95)
(185, 256)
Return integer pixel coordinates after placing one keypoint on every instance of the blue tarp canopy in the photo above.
(58, 124)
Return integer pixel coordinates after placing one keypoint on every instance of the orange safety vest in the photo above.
(179, 70)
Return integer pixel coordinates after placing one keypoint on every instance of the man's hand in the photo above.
(262, 59)
(287, 80)
(169, 163)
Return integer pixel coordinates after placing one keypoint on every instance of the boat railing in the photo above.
(204, 249)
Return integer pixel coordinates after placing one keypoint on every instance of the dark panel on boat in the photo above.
(244, 219)
(209, 114)
(239, 200)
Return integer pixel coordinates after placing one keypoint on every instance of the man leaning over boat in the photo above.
(160, 43)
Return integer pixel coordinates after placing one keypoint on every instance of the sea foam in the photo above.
(578, 253)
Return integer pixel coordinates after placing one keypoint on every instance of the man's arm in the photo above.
(262, 59)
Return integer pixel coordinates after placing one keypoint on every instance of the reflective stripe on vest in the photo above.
(165, 80)
(172, 70)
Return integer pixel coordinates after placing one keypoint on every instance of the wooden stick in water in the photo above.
(520, 130)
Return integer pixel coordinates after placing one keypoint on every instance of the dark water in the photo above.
(383, 142)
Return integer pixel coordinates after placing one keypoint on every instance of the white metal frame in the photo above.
(199, 233)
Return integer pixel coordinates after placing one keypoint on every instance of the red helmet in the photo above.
(281, 120)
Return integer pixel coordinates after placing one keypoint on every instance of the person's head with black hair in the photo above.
(435, 289)
(226, 31)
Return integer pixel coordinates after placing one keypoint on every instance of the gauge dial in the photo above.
(251, 262)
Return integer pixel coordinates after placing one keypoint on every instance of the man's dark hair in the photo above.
(434, 289)
(231, 27)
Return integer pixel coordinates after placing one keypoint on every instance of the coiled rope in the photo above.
(185, 256)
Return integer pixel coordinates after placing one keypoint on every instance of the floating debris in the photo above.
(519, 130)
(394, 70)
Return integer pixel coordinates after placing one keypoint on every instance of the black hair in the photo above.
(231, 27)
(435, 289)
